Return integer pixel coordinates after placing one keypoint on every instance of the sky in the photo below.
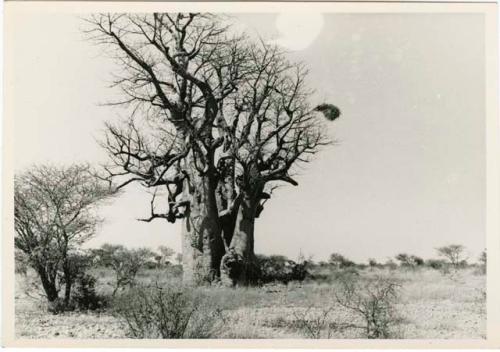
(407, 173)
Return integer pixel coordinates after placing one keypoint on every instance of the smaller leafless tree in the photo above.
(54, 214)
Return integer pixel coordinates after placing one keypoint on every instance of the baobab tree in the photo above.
(215, 121)
(272, 129)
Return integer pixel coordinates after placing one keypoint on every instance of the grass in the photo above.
(430, 306)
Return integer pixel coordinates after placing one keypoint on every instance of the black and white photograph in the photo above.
(300, 172)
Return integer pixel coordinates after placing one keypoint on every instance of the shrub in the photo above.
(151, 265)
(301, 268)
(178, 258)
(417, 261)
(59, 305)
(21, 263)
(124, 262)
(403, 259)
(81, 294)
(411, 261)
(165, 254)
(372, 300)
(82, 299)
(373, 263)
(436, 263)
(345, 274)
(74, 271)
(390, 264)
(167, 312)
(482, 263)
(314, 325)
(280, 268)
(85, 296)
(339, 261)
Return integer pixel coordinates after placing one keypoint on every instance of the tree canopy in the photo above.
(54, 213)
(215, 121)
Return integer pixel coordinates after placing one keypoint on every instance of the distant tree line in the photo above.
(452, 256)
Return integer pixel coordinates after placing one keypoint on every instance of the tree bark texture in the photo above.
(238, 264)
(202, 246)
(49, 286)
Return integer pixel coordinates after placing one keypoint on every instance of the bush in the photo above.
(339, 261)
(167, 312)
(280, 268)
(82, 293)
(411, 261)
(403, 259)
(331, 275)
(482, 263)
(124, 262)
(164, 256)
(316, 322)
(314, 325)
(21, 263)
(373, 300)
(152, 265)
(75, 275)
(372, 263)
(85, 296)
(390, 265)
(349, 273)
(59, 305)
(436, 263)
(417, 261)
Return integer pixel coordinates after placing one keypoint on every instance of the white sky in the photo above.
(408, 174)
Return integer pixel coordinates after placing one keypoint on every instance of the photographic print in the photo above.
(224, 172)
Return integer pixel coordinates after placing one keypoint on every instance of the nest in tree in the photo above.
(330, 111)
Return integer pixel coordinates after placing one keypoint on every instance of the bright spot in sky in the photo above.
(298, 30)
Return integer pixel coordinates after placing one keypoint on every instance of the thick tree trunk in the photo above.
(227, 202)
(228, 223)
(202, 246)
(238, 264)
